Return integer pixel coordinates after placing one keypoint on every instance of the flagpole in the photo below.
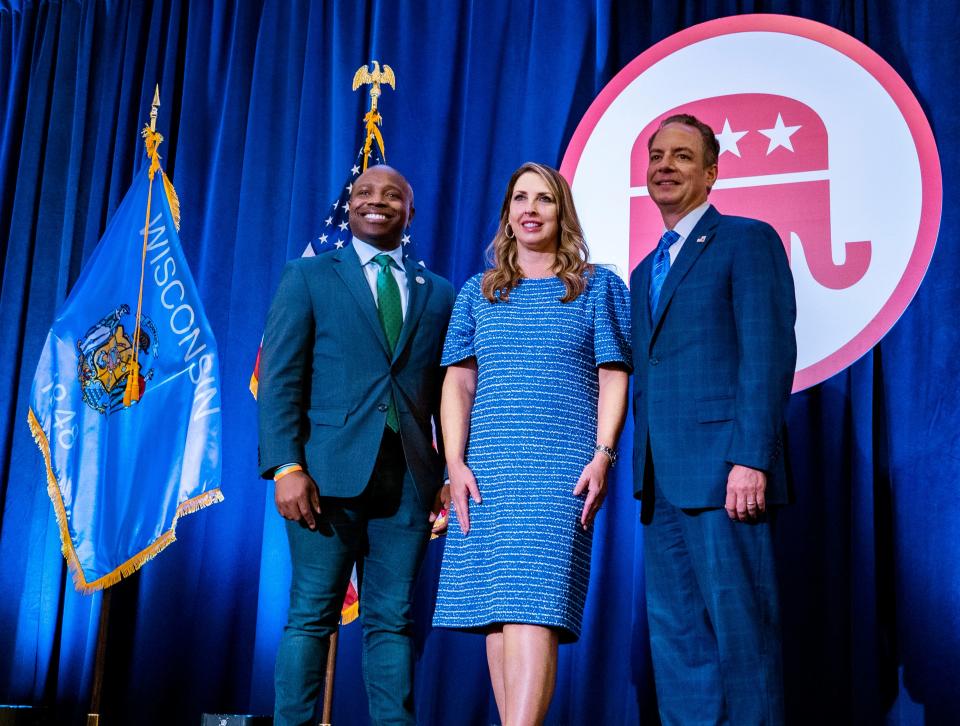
(362, 77)
(131, 395)
(328, 679)
(152, 140)
(93, 715)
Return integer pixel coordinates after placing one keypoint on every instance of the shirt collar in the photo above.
(690, 220)
(366, 252)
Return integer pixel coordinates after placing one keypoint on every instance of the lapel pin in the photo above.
(419, 280)
(702, 239)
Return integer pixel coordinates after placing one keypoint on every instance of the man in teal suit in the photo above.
(714, 356)
(349, 389)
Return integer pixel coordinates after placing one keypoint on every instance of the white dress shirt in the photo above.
(366, 252)
(684, 227)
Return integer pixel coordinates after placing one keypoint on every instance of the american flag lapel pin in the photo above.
(701, 239)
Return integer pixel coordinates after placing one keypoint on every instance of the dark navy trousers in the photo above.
(714, 617)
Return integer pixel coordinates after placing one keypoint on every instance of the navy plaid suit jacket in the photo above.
(714, 367)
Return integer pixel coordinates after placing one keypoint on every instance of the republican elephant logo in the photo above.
(818, 136)
(773, 164)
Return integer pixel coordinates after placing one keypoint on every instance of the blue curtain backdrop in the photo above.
(261, 127)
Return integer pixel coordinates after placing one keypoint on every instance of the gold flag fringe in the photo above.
(152, 141)
(172, 199)
(134, 563)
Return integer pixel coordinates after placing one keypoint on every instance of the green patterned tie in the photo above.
(391, 317)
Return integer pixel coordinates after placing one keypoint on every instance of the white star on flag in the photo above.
(728, 139)
(322, 238)
(338, 244)
(405, 239)
(329, 220)
(779, 135)
(343, 226)
(346, 206)
(354, 169)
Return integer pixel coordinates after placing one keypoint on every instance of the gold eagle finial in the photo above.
(364, 77)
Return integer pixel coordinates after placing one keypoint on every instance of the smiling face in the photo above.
(534, 213)
(381, 205)
(677, 178)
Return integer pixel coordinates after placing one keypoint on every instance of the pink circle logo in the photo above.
(818, 136)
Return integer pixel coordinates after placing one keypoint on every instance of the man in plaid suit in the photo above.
(714, 358)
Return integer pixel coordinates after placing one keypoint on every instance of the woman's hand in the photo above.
(593, 483)
(463, 487)
(441, 505)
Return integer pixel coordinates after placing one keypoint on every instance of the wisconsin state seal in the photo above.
(106, 355)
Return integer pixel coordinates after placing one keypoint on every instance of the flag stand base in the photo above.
(23, 715)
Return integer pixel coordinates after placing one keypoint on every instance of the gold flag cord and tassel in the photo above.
(152, 140)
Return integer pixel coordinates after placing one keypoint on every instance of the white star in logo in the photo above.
(338, 244)
(728, 139)
(322, 238)
(343, 226)
(346, 206)
(405, 239)
(354, 169)
(779, 135)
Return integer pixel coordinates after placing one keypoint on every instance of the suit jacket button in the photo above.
(654, 361)
(382, 407)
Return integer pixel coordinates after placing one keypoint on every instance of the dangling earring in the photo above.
(508, 232)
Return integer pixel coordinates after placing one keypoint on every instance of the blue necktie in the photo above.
(661, 266)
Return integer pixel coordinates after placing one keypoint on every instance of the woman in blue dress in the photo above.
(534, 399)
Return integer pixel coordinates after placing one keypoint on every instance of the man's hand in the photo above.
(746, 493)
(593, 483)
(440, 503)
(463, 487)
(298, 498)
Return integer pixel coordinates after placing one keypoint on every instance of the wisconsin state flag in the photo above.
(124, 464)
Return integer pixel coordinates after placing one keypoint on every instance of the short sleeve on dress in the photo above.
(458, 345)
(611, 319)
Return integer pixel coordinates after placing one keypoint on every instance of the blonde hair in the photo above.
(571, 264)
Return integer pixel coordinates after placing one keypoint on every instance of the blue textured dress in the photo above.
(532, 430)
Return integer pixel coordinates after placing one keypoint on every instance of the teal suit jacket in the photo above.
(326, 374)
